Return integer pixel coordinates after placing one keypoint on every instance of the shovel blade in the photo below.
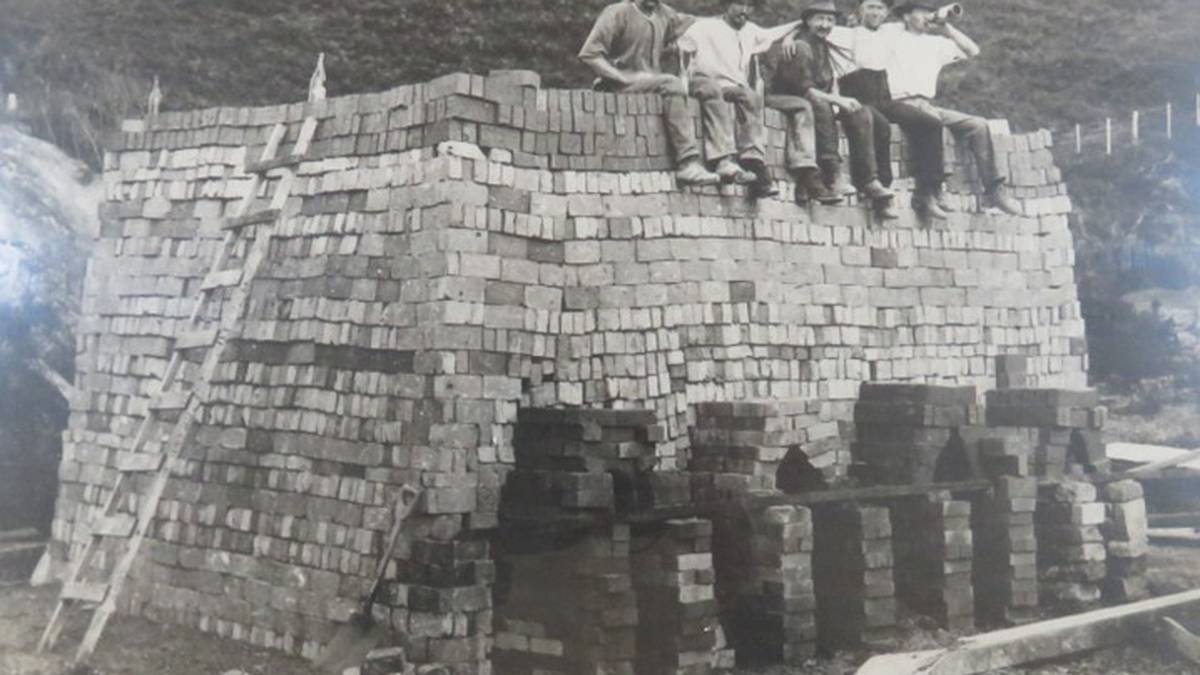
(350, 647)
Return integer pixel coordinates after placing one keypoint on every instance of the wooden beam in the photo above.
(1152, 470)
(1185, 643)
(1174, 519)
(1034, 642)
(1175, 535)
(60, 384)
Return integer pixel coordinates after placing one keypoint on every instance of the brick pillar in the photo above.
(1071, 554)
(1006, 545)
(765, 583)
(679, 627)
(934, 559)
(1127, 543)
(852, 573)
(571, 609)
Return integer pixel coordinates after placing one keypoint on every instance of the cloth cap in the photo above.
(905, 6)
(819, 7)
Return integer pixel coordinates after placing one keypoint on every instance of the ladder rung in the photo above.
(223, 279)
(196, 339)
(84, 592)
(171, 400)
(255, 218)
(116, 525)
(141, 462)
(264, 166)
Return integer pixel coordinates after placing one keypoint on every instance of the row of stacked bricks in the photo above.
(1006, 545)
(679, 624)
(934, 558)
(1063, 428)
(767, 593)
(1127, 541)
(569, 608)
(587, 460)
(853, 573)
(904, 432)
(1071, 551)
(740, 447)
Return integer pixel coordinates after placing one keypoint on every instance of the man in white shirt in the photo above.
(920, 51)
(721, 50)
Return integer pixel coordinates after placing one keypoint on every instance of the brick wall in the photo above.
(456, 250)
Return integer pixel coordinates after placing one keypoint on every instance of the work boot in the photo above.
(692, 172)
(885, 208)
(809, 186)
(939, 196)
(875, 191)
(832, 176)
(924, 202)
(763, 185)
(731, 172)
(998, 197)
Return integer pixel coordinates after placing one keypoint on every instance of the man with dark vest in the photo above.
(807, 68)
(919, 51)
(625, 50)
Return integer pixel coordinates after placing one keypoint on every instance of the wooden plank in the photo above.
(307, 130)
(1177, 535)
(116, 525)
(1034, 642)
(200, 339)
(171, 401)
(19, 535)
(1154, 469)
(1185, 643)
(222, 279)
(85, 592)
(261, 217)
(1174, 519)
(267, 165)
(140, 462)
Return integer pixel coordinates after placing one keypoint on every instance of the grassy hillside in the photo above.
(80, 64)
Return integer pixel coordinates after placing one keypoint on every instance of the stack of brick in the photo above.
(911, 433)
(679, 626)
(1071, 554)
(934, 559)
(586, 460)
(570, 610)
(765, 562)
(1063, 427)
(1126, 541)
(738, 447)
(457, 249)
(1006, 548)
(853, 577)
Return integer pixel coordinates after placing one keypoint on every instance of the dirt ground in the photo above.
(137, 647)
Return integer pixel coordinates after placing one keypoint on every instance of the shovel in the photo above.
(354, 641)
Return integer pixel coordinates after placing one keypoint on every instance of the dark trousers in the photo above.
(924, 131)
(869, 135)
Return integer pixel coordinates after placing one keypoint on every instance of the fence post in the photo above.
(1170, 121)
(1108, 135)
(1078, 139)
(1135, 122)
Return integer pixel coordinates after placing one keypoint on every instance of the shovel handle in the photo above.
(405, 503)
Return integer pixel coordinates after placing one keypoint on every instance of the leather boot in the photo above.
(998, 197)
(885, 208)
(924, 202)
(809, 186)
(763, 185)
(834, 179)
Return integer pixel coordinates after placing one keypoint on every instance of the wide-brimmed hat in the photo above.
(908, 5)
(819, 7)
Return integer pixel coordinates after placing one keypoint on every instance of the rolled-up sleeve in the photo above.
(599, 42)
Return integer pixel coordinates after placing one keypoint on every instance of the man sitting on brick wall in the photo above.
(625, 50)
(721, 50)
(920, 51)
(807, 69)
(863, 76)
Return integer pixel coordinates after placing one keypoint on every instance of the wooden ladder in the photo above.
(174, 399)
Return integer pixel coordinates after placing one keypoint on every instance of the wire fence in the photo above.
(1168, 122)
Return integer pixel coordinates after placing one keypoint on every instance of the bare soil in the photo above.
(133, 646)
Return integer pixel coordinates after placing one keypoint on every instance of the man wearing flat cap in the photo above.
(919, 52)
(810, 68)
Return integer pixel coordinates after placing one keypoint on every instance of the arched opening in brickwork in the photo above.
(953, 464)
(1079, 455)
(797, 474)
